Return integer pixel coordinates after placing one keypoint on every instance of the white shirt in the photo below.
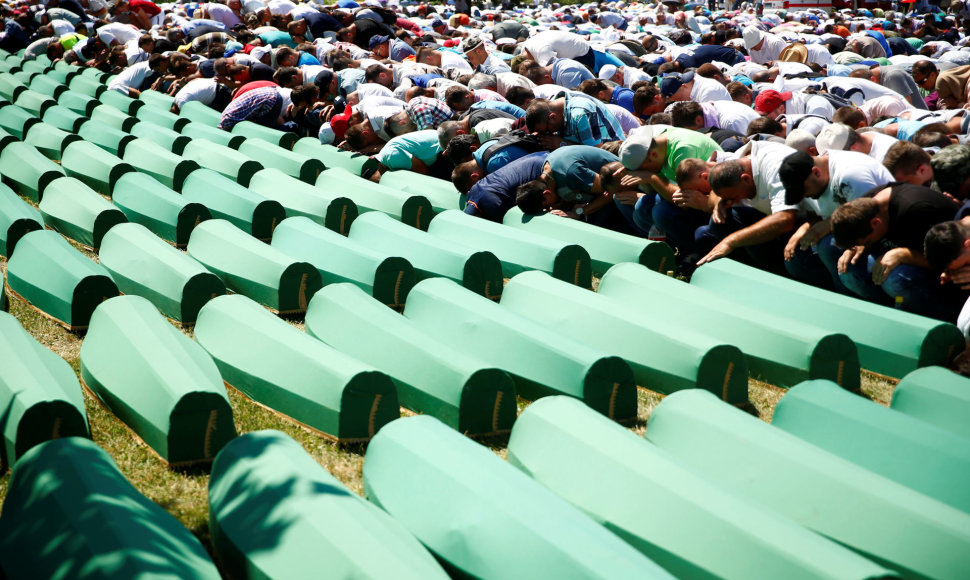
(766, 159)
(506, 80)
(870, 90)
(546, 46)
(706, 89)
(452, 60)
(732, 115)
(851, 174)
(365, 90)
(771, 49)
(492, 128)
(628, 121)
(203, 90)
(880, 145)
(131, 77)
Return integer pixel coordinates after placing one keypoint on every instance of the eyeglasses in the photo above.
(921, 81)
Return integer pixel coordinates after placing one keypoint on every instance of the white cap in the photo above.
(327, 136)
(752, 36)
(607, 72)
(801, 140)
(834, 136)
(259, 52)
(634, 150)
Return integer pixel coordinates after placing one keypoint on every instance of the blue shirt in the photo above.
(569, 73)
(624, 97)
(515, 111)
(706, 53)
(500, 158)
(588, 122)
(399, 50)
(495, 193)
(575, 169)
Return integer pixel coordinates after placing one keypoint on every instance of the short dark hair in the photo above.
(459, 149)
(537, 113)
(643, 97)
(725, 174)
(932, 136)
(851, 221)
(850, 116)
(455, 94)
(943, 244)
(528, 197)
(764, 125)
(461, 177)
(373, 71)
(684, 113)
(519, 95)
(286, 74)
(905, 157)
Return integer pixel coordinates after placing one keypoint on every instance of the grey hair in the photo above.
(482, 81)
(446, 131)
(951, 167)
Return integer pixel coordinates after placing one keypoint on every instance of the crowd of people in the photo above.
(827, 146)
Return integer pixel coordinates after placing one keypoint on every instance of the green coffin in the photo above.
(113, 117)
(889, 341)
(157, 381)
(157, 99)
(47, 85)
(290, 372)
(158, 208)
(542, 361)
(481, 517)
(329, 209)
(105, 136)
(936, 395)
(226, 161)
(412, 209)
(230, 201)
(606, 248)
(23, 76)
(96, 74)
(304, 168)
(121, 101)
(168, 139)
(70, 513)
(47, 139)
(664, 358)
(339, 259)
(40, 398)
(480, 272)
(906, 450)
(7, 138)
(74, 210)
(4, 305)
(196, 130)
(333, 157)
(166, 167)
(94, 166)
(17, 218)
(142, 264)
(34, 102)
(915, 535)
(86, 85)
(691, 526)
(10, 86)
(79, 103)
(27, 171)
(431, 376)
(162, 118)
(780, 351)
(441, 193)
(16, 120)
(275, 513)
(62, 75)
(64, 118)
(57, 279)
(254, 269)
(258, 132)
(518, 250)
(198, 112)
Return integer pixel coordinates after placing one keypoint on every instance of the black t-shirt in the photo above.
(704, 54)
(318, 23)
(476, 116)
(913, 210)
(367, 28)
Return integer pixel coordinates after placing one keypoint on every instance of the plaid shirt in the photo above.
(262, 105)
(428, 113)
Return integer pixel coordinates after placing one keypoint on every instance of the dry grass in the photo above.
(184, 493)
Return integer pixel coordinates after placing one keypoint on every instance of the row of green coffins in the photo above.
(267, 499)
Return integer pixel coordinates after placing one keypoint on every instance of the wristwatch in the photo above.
(578, 211)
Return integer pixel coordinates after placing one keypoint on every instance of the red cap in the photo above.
(340, 122)
(769, 100)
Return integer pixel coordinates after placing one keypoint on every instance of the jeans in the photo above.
(769, 256)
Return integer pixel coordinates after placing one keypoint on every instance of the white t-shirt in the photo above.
(202, 90)
(870, 90)
(770, 49)
(123, 33)
(851, 174)
(365, 90)
(546, 46)
(766, 160)
(880, 145)
(132, 76)
(706, 89)
(506, 80)
(492, 128)
(807, 104)
(733, 115)
(452, 60)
